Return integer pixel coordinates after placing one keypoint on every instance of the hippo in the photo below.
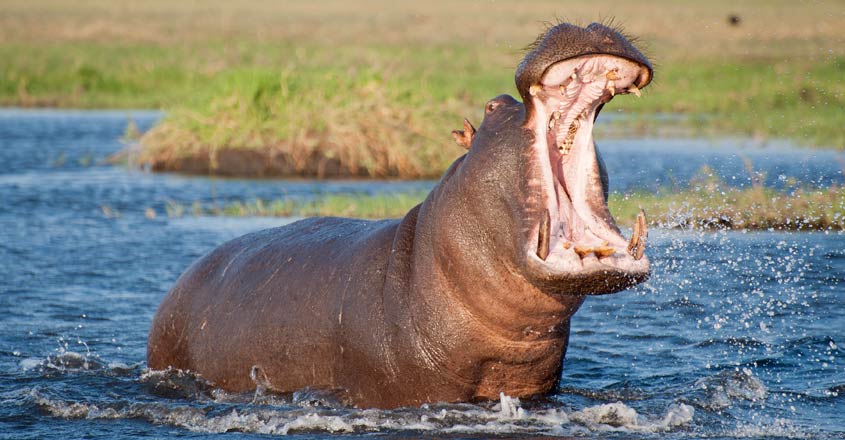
(467, 296)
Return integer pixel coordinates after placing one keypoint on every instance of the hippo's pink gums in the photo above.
(467, 296)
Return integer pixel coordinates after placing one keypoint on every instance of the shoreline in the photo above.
(378, 97)
(711, 208)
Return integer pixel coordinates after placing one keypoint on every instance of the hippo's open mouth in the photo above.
(575, 235)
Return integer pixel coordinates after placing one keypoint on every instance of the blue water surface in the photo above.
(737, 335)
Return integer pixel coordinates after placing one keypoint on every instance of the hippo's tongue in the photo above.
(577, 224)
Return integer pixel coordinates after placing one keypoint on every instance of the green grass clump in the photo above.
(392, 205)
(709, 205)
(713, 205)
(388, 118)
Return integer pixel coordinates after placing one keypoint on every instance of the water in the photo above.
(658, 164)
(738, 335)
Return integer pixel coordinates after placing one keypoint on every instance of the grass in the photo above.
(747, 209)
(393, 120)
(372, 88)
(344, 205)
(709, 204)
(388, 118)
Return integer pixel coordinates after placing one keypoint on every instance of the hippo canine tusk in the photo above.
(636, 247)
(543, 236)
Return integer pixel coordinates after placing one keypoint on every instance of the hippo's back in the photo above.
(271, 298)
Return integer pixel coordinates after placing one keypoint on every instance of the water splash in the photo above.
(727, 386)
(505, 417)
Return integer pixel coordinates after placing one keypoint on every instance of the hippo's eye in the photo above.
(491, 106)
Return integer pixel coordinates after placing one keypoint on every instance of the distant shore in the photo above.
(271, 90)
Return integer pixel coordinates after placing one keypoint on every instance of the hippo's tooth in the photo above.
(567, 245)
(643, 235)
(564, 148)
(600, 251)
(604, 251)
(556, 115)
(635, 237)
(534, 89)
(543, 236)
(583, 251)
(570, 134)
(574, 76)
(551, 123)
(611, 87)
(636, 247)
(633, 89)
(565, 141)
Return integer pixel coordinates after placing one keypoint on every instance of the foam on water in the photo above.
(506, 417)
(195, 405)
(727, 386)
(63, 361)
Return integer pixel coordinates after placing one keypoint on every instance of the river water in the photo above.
(737, 335)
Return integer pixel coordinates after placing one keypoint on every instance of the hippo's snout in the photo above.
(567, 41)
(573, 240)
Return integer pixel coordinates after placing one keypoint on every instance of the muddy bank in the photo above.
(251, 163)
(268, 162)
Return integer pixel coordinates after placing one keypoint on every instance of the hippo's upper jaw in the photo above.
(573, 246)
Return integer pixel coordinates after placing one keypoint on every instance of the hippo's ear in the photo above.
(464, 137)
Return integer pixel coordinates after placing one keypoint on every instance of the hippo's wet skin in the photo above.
(467, 296)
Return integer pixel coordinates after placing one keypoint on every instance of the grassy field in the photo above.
(372, 88)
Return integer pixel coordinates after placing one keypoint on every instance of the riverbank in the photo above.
(711, 206)
(373, 122)
(372, 89)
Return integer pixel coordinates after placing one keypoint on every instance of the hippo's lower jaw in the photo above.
(574, 241)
